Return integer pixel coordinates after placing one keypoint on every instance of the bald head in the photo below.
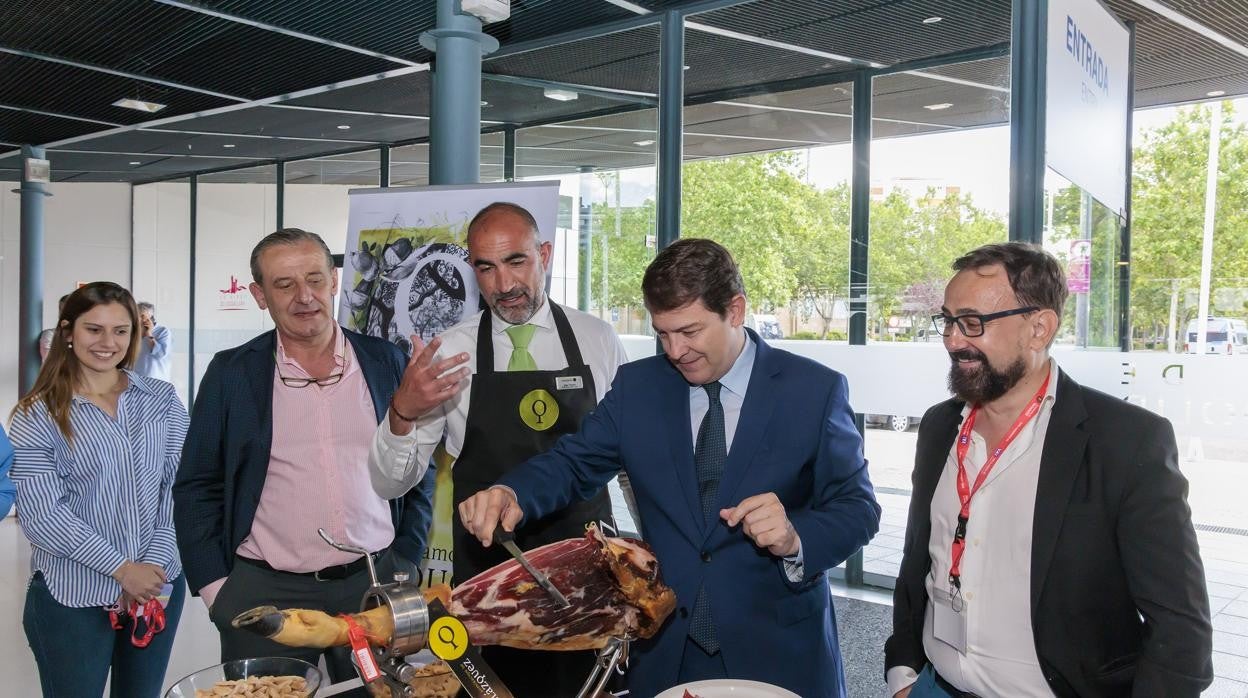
(505, 213)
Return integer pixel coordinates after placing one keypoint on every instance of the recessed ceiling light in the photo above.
(228, 145)
(139, 105)
(559, 95)
(643, 143)
(135, 162)
(485, 103)
(932, 20)
(1215, 93)
(937, 107)
(343, 127)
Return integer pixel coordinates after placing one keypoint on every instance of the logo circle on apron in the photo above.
(539, 410)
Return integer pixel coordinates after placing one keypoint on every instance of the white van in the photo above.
(1223, 336)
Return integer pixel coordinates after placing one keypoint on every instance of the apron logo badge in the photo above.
(569, 383)
(539, 410)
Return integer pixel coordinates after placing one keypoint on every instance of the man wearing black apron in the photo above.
(517, 405)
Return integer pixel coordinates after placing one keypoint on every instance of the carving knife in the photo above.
(508, 541)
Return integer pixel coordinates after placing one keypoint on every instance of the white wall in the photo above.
(162, 259)
(231, 219)
(86, 238)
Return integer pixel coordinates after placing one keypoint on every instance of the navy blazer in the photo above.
(226, 456)
(796, 438)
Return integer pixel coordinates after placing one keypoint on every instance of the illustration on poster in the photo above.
(423, 269)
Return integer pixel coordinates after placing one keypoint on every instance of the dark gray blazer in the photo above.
(1118, 599)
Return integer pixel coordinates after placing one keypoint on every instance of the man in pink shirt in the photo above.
(278, 447)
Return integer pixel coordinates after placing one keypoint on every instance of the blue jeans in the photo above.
(76, 647)
(926, 686)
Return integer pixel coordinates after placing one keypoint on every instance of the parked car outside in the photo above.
(1222, 336)
(895, 422)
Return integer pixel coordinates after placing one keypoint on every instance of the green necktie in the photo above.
(521, 359)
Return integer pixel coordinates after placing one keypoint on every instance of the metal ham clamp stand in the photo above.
(417, 624)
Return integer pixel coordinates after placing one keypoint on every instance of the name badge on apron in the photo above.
(949, 619)
(569, 383)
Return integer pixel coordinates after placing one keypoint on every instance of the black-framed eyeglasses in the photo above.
(293, 382)
(972, 324)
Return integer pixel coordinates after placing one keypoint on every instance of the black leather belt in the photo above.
(950, 688)
(325, 574)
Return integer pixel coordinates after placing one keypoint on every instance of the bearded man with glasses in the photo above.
(1049, 548)
(278, 447)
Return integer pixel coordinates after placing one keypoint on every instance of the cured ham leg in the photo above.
(613, 585)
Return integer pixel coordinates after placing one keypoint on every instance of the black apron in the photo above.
(513, 416)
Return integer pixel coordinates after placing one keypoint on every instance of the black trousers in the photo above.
(249, 586)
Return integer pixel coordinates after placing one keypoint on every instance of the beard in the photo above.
(985, 383)
(520, 314)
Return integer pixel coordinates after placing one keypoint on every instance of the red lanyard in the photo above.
(965, 491)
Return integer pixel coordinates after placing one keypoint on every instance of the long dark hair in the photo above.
(61, 371)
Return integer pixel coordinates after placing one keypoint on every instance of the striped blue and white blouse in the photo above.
(105, 499)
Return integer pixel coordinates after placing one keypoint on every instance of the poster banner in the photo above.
(406, 272)
(1079, 266)
(1087, 60)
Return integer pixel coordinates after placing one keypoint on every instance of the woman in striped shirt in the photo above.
(97, 447)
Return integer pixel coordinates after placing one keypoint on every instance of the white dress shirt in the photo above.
(1000, 657)
(400, 461)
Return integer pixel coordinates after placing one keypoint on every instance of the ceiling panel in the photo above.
(739, 92)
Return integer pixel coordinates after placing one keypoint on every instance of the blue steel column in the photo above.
(190, 348)
(859, 245)
(279, 176)
(509, 154)
(30, 275)
(1027, 98)
(455, 124)
(584, 293)
(1124, 235)
(671, 127)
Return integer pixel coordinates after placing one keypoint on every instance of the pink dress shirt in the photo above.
(318, 472)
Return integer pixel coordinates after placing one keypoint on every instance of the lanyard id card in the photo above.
(949, 619)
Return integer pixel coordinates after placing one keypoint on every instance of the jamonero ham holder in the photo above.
(612, 586)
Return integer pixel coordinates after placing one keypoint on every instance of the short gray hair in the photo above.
(286, 236)
(146, 307)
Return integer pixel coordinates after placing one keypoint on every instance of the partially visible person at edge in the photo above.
(45, 337)
(279, 447)
(96, 449)
(8, 492)
(155, 347)
(1050, 548)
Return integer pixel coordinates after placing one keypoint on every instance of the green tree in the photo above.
(1168, 218)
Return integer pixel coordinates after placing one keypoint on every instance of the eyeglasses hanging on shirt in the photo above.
(295, 382)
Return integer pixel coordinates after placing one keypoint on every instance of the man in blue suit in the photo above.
(749, 479)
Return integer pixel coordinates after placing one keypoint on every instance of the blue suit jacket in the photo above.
(796, 438)
(226, 456)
